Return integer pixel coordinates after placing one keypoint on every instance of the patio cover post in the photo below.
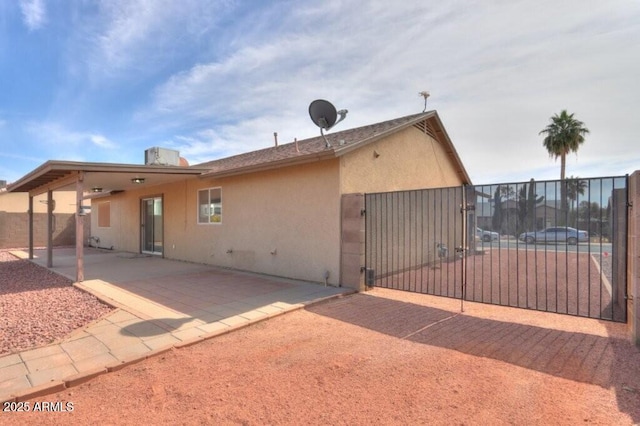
(30, 214)
(79, 230)
(49, 228)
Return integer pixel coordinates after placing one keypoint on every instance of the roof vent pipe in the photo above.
(275, 137)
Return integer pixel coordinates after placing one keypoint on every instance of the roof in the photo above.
(315, 149)
(112, 177)
(57, 175)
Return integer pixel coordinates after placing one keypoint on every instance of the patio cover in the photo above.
(84, 178)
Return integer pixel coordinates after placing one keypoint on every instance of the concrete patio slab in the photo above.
(99, 361)
(160, 304)
(14, 385)
(9, 360)
(14, 370)
(87, 347)
(41, 377)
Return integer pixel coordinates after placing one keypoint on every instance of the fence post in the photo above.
(633, 259)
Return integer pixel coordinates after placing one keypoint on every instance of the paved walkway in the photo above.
(161, 304)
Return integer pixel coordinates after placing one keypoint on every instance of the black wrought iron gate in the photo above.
(555, 246)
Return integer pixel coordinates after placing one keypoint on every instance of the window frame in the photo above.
(209, 216)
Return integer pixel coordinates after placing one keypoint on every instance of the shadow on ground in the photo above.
(607, 362)
(155, 327)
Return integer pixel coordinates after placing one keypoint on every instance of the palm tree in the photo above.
(564, 134)
(575, 187)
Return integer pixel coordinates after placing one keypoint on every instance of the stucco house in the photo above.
(291, 210)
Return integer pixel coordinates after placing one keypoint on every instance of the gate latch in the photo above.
(469, 207)
(369, 277)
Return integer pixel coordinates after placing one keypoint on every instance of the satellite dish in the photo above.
(325, 116)
(323, 113)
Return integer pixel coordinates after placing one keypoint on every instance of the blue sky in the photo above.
(102, 81)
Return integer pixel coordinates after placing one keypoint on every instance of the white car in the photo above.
(487, 236)
(558, 234)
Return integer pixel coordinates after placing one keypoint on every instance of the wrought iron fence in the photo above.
(556, 246)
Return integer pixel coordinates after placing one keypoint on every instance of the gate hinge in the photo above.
(469, 207)
(363, 212)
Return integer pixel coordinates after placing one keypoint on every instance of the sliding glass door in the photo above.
(151, 225)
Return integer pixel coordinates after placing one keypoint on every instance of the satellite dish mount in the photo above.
(425, 95)
(325, 116)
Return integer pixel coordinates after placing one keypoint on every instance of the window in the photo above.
(210, 205)
(104, 215)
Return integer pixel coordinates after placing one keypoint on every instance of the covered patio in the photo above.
(88, 181)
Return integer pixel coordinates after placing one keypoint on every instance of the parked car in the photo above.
(556, 234)
(487, 236)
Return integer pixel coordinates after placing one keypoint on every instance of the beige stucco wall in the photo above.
(408, 159)
(124, 230)
(283, 222)
(18, 202)
(293, 212)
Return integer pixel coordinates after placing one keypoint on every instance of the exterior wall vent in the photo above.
(424, 127)
(161, 157)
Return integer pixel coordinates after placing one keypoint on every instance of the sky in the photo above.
(101, 81)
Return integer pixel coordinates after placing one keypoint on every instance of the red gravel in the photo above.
(38, 307)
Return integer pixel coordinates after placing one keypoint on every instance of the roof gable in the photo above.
(314, 149)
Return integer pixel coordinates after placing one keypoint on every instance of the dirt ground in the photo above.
(546, 279)
(383, 357)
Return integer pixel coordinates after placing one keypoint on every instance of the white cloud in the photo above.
(232, 74)
(210, 144)
(267, 82)
(496, 74)
(62, 143)
(34, 13)
(101, 141)
(139, 37)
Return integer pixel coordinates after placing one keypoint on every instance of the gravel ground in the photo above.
(382, 358)
(38, 307)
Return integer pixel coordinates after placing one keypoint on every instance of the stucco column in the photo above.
(633, 259)
(30, 225)
(49, 229)
(79, 230)
(352, 241)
